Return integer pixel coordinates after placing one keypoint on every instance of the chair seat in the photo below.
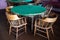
(43, 27)
(18, 25)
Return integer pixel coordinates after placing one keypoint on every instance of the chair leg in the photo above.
(47, 33)
(25, 29)
(35, 31)
(52, 31)
(17, 34)
(10, 30)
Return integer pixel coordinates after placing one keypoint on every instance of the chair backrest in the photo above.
(47, 22)
(11, 16)
(50, 19)
(13, 19)
(8, 8)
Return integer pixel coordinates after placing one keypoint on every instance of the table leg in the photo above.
(32, 23)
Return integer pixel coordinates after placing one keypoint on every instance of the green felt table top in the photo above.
(20, 1)
(28, 10)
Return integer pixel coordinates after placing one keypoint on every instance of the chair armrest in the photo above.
(23, 19)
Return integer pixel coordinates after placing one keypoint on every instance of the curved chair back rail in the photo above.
(8, 8)
(12, 17)
(50, 19)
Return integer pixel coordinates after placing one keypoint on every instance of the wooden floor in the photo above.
(26, 36)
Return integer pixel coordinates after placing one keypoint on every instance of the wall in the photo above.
(3, 4)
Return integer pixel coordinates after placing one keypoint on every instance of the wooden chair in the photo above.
(44, 25)
(48, 11)
(8, 8)
(37, 1)
(17, 23)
